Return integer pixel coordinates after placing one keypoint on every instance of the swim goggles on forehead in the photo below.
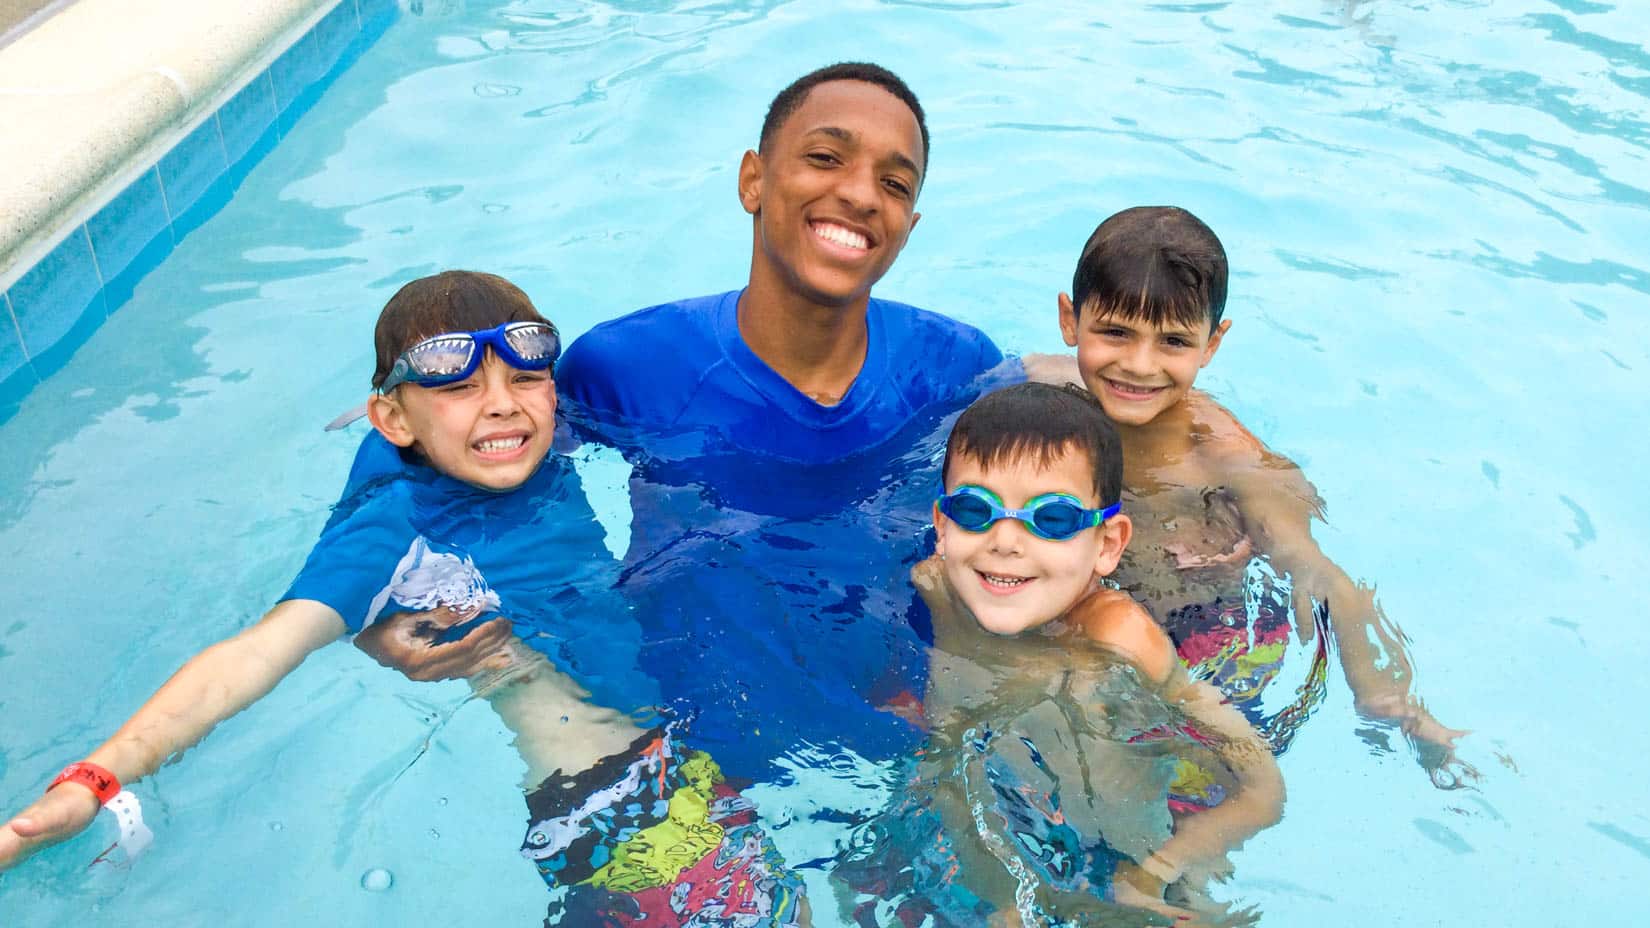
(453, 356)
(1054, 516)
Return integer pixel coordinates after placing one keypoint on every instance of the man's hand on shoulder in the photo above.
(1057, 369)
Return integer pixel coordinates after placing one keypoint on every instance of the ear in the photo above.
(750, 182)
(940, 522)
(914, 217)
(1214, 342)
(1114, 537)
(390, 419)
(1068, 321)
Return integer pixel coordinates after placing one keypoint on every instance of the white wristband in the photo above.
(135, 836)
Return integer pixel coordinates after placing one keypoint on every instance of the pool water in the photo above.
(1435, 214)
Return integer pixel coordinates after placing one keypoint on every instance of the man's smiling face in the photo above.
(834, 192)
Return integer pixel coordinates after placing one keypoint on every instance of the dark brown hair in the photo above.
(1041, 422)
(1159, 264)
(451, 301)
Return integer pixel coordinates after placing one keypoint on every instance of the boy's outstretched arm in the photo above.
(1279, 502)
(214, 685)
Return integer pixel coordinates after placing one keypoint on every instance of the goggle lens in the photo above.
(1058, 519)
(969, 512)
(533, 341)
(441, 356)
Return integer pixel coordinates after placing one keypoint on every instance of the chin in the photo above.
(1005, 627)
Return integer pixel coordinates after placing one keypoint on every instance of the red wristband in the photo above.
(97, 779)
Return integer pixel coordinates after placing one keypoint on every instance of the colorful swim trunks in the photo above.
(654, 836)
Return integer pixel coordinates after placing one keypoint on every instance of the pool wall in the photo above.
(128, 148)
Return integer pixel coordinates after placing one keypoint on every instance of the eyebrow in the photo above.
(847, 135)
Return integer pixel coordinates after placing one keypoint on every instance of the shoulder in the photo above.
(932, 356)
(1117, 623)
(1235, 456)
(619, 341)
(633, 364)
(912, 327)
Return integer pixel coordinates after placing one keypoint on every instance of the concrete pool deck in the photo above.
(128, 124)
(96, 92)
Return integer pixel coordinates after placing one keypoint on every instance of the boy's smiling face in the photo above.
(1137, 369)
(1009, 579)
(490, 430)
(834, 194)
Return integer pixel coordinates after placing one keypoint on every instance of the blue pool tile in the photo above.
(213, 198)
(334, 33)
(296, 69)
(128, 224)
(14, 388)
(117, 290)
(53, 297)
(191, 166)
(247, 117)
(51, 360)
(12, 356)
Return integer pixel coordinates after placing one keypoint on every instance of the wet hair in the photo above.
(1159, 264)
(451, 301)
(791, 98)
(1042, 422)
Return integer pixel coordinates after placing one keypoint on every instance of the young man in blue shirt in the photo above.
(778, 486)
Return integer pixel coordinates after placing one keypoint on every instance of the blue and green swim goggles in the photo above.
(1054, 516)
(453, 356)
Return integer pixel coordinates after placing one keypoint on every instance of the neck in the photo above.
(818, 348)
(1164, 440)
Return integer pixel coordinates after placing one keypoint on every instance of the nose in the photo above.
(497, 399)
(1138, 358)
(857, 187)
(1005, 536)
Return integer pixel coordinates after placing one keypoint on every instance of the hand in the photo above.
(1431, 741)
(1137, 889)
(406, 642)
(1433, 745)
(1056, 369)
(57, 816)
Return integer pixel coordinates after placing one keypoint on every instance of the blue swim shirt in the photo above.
(682, 369)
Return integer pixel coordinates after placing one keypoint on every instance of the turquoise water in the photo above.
(1435, 215)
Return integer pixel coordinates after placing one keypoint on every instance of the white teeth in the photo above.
(840, 236)
(1000, 580)
(493, 445)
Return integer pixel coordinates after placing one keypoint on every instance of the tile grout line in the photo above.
(223, 147)
(12, 314)
(97, 266)
(165, 201)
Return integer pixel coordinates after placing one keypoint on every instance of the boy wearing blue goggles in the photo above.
(1026, 530)
(1030, 518)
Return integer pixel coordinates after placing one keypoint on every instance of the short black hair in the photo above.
(451, 301)
(1160, 264)
(790, 99)
(1040, 421)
